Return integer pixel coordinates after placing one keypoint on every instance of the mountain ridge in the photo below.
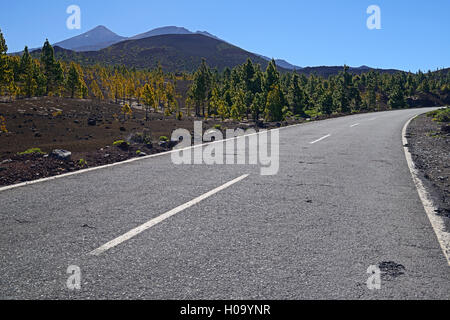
(95, 39)
(101, 45)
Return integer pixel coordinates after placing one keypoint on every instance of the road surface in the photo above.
(343, 200)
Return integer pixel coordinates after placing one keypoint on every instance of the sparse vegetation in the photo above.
(126, 111)
(163, 139)
(441, 115)
(31, 151)
(142, 137)
(120, 143)
(57, 114)
(3, 125)
(82, 163)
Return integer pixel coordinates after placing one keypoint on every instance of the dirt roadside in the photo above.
(429, 144)
(88, 129)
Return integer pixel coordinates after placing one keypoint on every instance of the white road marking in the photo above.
(132, 233)
(354, 125)
(323, 138)
(437, 222)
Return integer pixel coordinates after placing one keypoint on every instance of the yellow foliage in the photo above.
(57, 113)
(3, 124)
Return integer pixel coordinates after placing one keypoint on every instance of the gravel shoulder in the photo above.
(429, 145)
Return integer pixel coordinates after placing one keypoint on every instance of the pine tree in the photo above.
(326, 102)
(96, 92)
(149, 99)
(257, 106)
(296, 97)
(6, 73)
(126, 111)
(272, 77)
(371, 98)
(397, 98)
(201, 87)
(274, 105)
(52, 68)
(27, 74)
(73, 80)
(215, 102)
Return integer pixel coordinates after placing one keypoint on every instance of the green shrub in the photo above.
(218, 127)
(441, 115)
(312, 113)
(432, 113)
(82, 163)
(142, 137)
(163, 138)
(31, 151)
(119, 143)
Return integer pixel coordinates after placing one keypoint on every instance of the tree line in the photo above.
(25, 76)
(243, 92)
(248, 92)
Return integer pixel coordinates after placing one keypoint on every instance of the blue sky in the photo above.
(415, 34)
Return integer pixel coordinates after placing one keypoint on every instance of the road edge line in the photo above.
(437, 222)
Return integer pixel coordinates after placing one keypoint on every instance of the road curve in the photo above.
(343, 200)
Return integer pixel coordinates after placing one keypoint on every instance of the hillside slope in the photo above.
(175, 52)
(95, 39)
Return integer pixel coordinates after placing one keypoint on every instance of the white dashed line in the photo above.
(354, 125)
(161, 218)
(323, 138)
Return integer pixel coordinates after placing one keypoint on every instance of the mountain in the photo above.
(170, 30)
(184, 52)
(160, 32)
(101, 37)
(175, 48)
(175, 52)
(205, 33)
(326, 71)
(95, 39)
(282, 63)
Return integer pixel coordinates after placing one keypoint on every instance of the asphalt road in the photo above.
(310, 232)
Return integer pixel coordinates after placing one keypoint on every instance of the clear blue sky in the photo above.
(414, 35)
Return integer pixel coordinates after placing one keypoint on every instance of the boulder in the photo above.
(124, 146)
(445, 128)
(163, 144)
(172, 143)
(62, 154)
